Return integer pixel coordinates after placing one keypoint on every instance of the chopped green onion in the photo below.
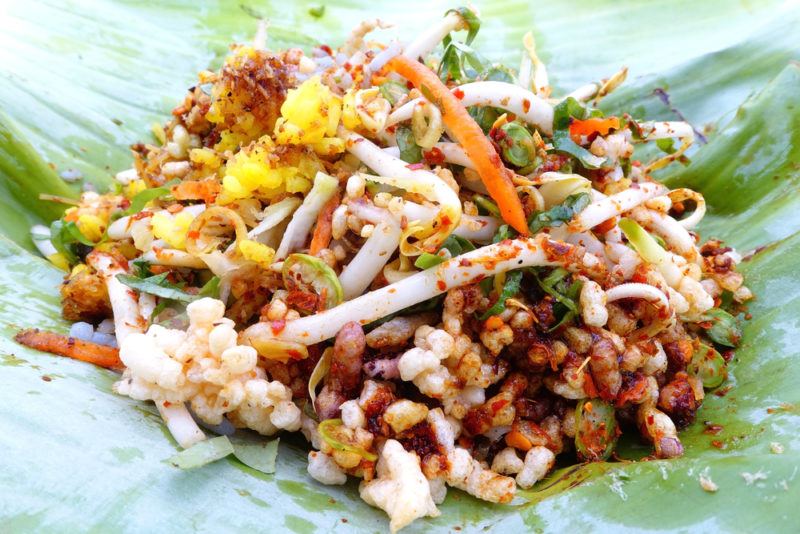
(202, 453)
(649, 249)
(310, 272)
(517, 144)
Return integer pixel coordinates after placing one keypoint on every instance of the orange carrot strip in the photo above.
(587, 127)
(70, 347)
(495, 176)
(322, 231)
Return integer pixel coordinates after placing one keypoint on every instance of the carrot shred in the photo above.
(323, 229)
(70, 347)
(587, 127)
(495, 176)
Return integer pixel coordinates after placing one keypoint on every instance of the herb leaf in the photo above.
(454, 244)
(510, 288)
(563, 114)
(200, 454)
(256, 453)
(472, 20)
(143, 197)
(560, 214)
(65, 237)
(157, 285)
(410, 151)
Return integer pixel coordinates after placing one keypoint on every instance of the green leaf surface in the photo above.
(82, 81)
(202, 453)
(256, 452)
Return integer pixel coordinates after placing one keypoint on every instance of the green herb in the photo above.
(141, 268)
(141, 198)
(486, 205)
(503, 233)
(454, 244)
(157, 285)
(316, 11)
(563, 114)
(666, 145)
(484, 116)
(517, 144)
(461, 63)
(564, 291)
(410, 151)
(256, 452)
(210, 288)
(498, 73)
(66, 237)
(393, 91)
(471, 19)
(724, 328)
(202, 453)
(510, 288)
(560, 214)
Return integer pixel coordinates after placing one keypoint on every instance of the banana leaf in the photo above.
(80, 81)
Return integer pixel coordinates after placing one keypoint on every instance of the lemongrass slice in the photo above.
(462, 270)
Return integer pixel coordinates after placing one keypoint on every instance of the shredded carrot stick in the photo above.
(587, 127)
(495, 176)
(70, 347)
(322, 230)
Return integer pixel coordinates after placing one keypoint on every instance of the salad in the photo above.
(438, 271)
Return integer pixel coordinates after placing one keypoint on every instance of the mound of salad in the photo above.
(438, 271)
